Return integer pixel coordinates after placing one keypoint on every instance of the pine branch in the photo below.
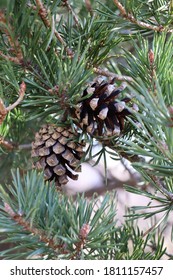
(44, 13)
(89, 7)
(10, 58)
(7, 29)
(142, 24)
(4, 110)
(20, 220)
(21, 96)
(66, 3)
(24, 146)
(14, 146)
(109, 74)
(83, 229)
(6, 144)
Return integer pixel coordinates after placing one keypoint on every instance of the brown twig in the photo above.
(13, 146)
(107, 73)
(4, 110)
(14, 43)
(10, 58)
(24, 146)
(19, 219)
(89, 7)
(6, 144)
(131, 18)
(43, 13)
(21, 95)
(66, 3)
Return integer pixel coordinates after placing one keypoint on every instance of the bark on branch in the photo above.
(4, 110)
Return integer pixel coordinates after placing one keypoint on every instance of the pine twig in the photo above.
(12, 146)
(107, 73)
(66, 3)
(133, 174)
(21, 95)
(19, 219)
(24, 146)
(14, 43)
(10, 58)
(89, 7)
(6, 144)
(131, 18)
(43, 13)
(4, 110)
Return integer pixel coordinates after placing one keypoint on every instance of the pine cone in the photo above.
(101, 114)
(57, 153)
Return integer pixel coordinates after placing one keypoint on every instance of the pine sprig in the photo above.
(74, 233)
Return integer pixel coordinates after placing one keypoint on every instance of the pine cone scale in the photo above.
(47, 173)
(44, 151)
(59, 170)
(56, 135)
(52, 160)
(50, 142)
(58, 148)
(45, 137)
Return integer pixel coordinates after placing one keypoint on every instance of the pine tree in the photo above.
(72, 74)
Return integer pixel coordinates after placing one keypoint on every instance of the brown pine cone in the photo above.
(101, 114)
(58, 155)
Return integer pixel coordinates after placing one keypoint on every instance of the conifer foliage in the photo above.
(72, 74)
